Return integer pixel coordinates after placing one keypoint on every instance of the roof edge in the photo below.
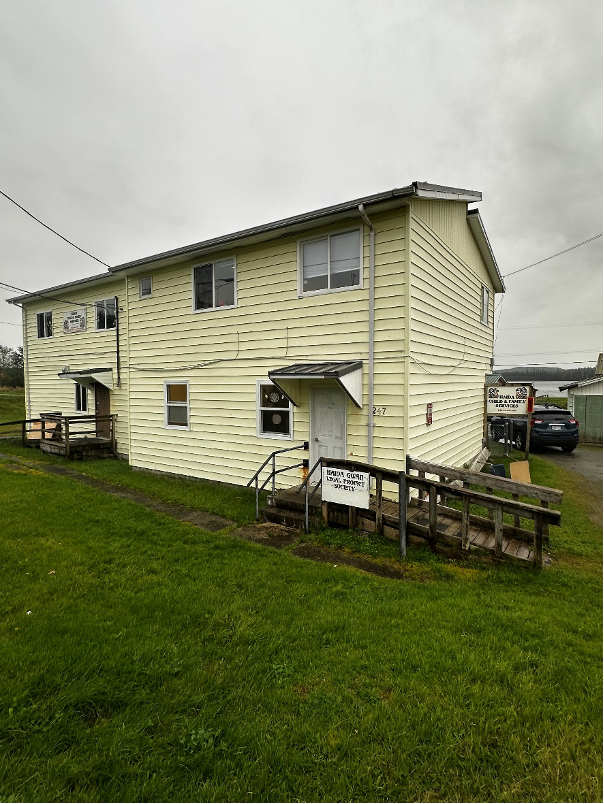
(43, 294)
(297, 222)
(484, 246)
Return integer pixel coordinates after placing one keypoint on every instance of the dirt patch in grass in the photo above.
(314, 552)
(269, 534)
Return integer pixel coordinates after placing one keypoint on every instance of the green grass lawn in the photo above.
(12, 405)
(162, 663)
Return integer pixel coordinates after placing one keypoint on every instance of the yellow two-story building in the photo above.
(364, 329)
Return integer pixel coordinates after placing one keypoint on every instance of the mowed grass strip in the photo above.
(160, 662)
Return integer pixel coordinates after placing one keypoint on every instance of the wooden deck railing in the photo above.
(74, 429)
(66, 430)
(440, 496)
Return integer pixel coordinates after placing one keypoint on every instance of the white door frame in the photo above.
(311, 437)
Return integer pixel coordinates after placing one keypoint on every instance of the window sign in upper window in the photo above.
(484, 305)
(214, 285)
(274, 412)
(44, 324)
(81, 398)
(177, 405)
(332, 262)
(145, 286)
(105, 313)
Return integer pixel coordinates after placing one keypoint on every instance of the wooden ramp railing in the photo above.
(446, 496)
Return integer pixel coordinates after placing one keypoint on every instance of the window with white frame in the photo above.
(214, 285)
(331, 263)
(176, 396)
(44, 324)
(105, 313)
(484, 305)
(274, 412)
(81, 398)
(145, 287)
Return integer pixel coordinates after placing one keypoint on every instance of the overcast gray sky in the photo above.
(135, 126)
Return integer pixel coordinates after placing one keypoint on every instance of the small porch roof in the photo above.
(348, 374)
(104, 376)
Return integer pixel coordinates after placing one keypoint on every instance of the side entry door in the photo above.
(327, 425)
(102, 407)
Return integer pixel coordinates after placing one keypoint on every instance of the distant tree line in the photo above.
(11, 367)
(547, 373)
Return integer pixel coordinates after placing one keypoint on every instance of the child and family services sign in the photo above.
(347, 488)
(510, 399)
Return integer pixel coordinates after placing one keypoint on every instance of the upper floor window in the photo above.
(44, 324)
(145, 287)
(484, 305)
(81, 398)
(214, 285)
(105, 313)
(331, 263)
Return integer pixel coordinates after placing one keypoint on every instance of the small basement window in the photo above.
(44, 324)
(176, 405)
(214, 285)
(81, 398)
(105, 313)
(484, 305)
(331, 263)
(274, 412)
(145, 287)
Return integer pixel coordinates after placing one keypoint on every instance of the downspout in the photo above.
(117, 341)
(25, 362)
(370, 422)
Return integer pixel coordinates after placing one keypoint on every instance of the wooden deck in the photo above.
(79, 448)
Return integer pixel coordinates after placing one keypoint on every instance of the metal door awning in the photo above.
(348, 374)
(104, 376)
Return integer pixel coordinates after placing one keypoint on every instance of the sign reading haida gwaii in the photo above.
(75, 320)
(508, 399)
(342, 486)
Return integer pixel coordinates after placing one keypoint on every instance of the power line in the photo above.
(548, 326)
(42, 295)
(10, 323)
(538, 365)
(532, 265)
(88, 254)
(569, 352)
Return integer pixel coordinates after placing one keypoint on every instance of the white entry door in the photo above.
(327, 424)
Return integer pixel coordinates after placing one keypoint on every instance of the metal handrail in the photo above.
(273, 473)
(307, 497)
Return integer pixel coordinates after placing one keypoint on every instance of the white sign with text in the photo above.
(75, 320)
(507, 399)
(347, 488)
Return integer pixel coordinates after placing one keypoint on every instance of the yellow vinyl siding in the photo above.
(271, 327)
(46, 357)
(430, 346)
(448, 221)
(449, 346)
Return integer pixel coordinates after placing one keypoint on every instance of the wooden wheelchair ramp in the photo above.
(442, 505)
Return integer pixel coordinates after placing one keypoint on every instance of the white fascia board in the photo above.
(486, 252)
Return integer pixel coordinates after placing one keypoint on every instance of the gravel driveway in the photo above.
(586, 464)
(585, 461)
